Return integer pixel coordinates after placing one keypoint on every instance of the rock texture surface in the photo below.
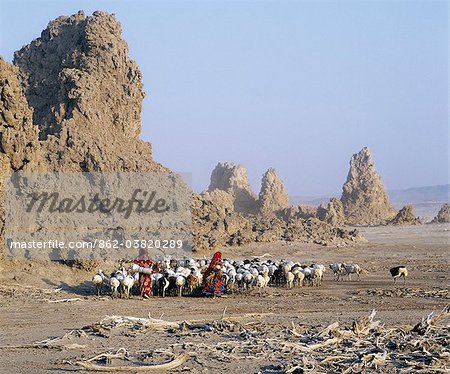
(443, 215)
(333, 213)
(297, 212)
(273, 196)
(233, 179)
(19, 144)
(405, 216)
(86, 94)
(217, 226)
(364, 198)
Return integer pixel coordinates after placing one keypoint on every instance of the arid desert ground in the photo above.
(27, 315)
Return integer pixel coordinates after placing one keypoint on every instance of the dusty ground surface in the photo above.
(27, 316)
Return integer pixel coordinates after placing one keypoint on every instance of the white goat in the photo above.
(290, 279)
(114, 284)
(97, 281)
(180, 283)
(127, 285)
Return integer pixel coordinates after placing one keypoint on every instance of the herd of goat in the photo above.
(185, 277)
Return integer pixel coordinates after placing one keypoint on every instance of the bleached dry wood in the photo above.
(117, 321)
(120, 353)
(329, 328)
(74, 346)
(294, 330)
(65, 300)
(431, 320)
(49, 343)
(264, 255)
(365, 324)
(223, 313)
(143, 368)
(109, 322)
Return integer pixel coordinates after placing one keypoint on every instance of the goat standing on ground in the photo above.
(399, 271)
(97, 281)
(350, 269)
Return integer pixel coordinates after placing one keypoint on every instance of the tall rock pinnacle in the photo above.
(86, 95)
(233, 179)
(273, 195)
(364, 198)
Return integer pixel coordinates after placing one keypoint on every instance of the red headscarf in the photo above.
(144, 258)
(217, 259)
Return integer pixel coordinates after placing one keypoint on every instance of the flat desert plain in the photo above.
(247, 332)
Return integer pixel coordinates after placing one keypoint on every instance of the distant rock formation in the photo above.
(86, 94)
(216, 226)
(221, 199)
(443, 215)
(364, 198)
(297, 212)
(233, 179)
(273, 196)
(405, 216)
(333, 213)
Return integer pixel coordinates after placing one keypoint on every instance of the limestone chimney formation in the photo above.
(443, 215)
(364, 198)
(405, 216)
(86, 95)
(233, 179)
(273, 196)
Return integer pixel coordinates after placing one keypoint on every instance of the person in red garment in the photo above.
(213, 284)
(145, 279)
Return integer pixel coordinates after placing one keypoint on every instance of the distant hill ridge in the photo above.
(439, 193)
(413, 195)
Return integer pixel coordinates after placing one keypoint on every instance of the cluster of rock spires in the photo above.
(232, 179)
(364, 200)
(229, 213)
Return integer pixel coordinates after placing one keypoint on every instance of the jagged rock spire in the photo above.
(364, 197)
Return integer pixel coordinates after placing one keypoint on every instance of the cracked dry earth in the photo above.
(273, 331)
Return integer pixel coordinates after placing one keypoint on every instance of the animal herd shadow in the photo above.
(86, 289)
(82, 289)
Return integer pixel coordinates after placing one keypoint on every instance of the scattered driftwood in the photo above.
(54, 343)
(431, 321)
(111, 322)
(364, 346)
(88, 365)
(264, 255)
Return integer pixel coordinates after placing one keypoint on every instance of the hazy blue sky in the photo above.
(296, 85)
